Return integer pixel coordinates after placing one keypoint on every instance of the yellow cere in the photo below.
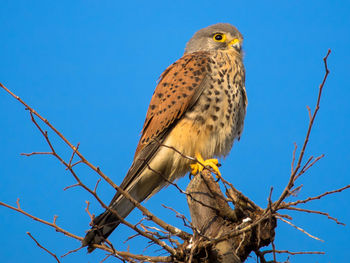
(235, 41)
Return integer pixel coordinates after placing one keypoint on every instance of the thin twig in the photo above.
(315, 197)
(293, 253)
(36, 153)
(103, 247)
(38, 244)
(301, 155)
(186, 222)
(74, 164)
(88, 212)
(293, 158)
(183, 235)
(274, 251)
(71, 251)
(70, 186)
(307, 166)
(73, 153)
(57, 228)
(98, 181)
(299, 228)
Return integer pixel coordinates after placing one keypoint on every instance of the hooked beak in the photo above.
(235, 44)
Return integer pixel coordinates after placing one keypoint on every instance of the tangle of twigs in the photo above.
(167, 236)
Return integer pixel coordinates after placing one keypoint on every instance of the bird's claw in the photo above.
(201, 163)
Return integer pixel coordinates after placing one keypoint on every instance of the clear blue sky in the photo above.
(90, 67)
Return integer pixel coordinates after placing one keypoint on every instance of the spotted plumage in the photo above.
(173, 95)
(198, 108)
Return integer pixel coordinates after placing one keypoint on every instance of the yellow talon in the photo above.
(200, 164)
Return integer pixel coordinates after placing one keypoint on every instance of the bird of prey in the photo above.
(198, 108)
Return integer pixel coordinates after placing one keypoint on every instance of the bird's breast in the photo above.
(216, 120)
(213, 123)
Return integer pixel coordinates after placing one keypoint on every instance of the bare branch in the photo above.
(293, 253)
(315, 197)
(37, 153)
(71, 251)
(103, 247)
(301, 155)
(293, 159)
(38, 244)
(315, 212)
(70, 186)
(88, 212)
(56, 227)
(73, 153)
(98, 181)
(300, 229)
(183, 235)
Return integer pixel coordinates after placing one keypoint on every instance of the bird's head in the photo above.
(222, 36)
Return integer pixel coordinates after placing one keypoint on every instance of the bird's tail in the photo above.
(105, 223)
(146, 184)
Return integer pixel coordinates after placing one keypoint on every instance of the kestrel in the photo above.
(198, 108)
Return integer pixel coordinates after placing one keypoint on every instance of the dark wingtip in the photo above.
(90, 249)
(91, 238)
(104, 225)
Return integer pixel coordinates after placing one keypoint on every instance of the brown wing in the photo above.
(179, 87)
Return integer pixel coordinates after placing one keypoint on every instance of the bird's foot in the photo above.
(201, 163)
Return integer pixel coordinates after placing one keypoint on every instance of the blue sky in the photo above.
(90, 67)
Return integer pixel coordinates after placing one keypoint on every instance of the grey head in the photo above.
(222, 36)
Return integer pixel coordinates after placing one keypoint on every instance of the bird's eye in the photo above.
(219, 37)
